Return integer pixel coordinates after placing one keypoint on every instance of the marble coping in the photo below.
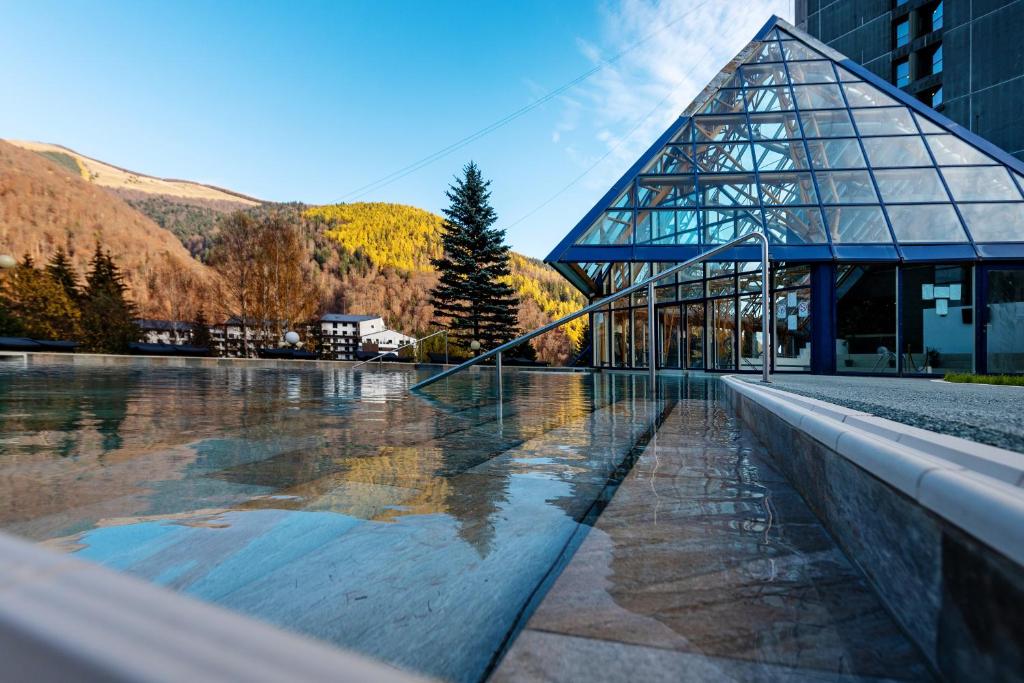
(976, 487)
(62, 618)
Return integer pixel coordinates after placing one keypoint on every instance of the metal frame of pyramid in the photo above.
(835, 164)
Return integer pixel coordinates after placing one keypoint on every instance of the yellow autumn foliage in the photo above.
(406, 238)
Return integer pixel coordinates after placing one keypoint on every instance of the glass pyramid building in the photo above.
(888, 222)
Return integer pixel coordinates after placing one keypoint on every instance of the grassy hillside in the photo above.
(405, 238)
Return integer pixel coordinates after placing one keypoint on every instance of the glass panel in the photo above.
(845, 75)
(693, 290)
(827, 124)
(779, 189)
(884, 121)
(818, 96)
(624, 200)
(665, 293)
(911, 185)
(694, 272)
(866, 95)
(778, 125)
(812, 72)
(793, 50)
(1004, 329)
(619, 281)
(768, 52)
(902, 151)
(795, 225)
(730, 190)
(792, 276)
(769, 99)
(719, 128)
(724, 157)
(950, 150)
(695, 335)
(717, 268)
(640, 337)
(673, 160)
(724, 101)
(902, 31)
(620, 338)
(670, 333)
(600, 335)
(666, 191)
(749, 278)
(724, 225)
(926, 223)
(751, 333)
(846, 187)
(994, 222)
(857, 224)
(837, 153)
(721, 286)
(936, 308)
(901, 72)
(723, 330)
(866, 319)
(780, 156)
(926, 125)
(667, 227)
(755, 75)
(985, 183)
(792, 325)
(613, 227)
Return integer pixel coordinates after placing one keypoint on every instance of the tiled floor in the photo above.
(707, 565)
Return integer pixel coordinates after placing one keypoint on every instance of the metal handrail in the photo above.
(649, 284)
(414, 344)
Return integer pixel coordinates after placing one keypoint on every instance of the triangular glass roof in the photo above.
(794, 139)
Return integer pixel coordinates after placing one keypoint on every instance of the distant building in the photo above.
(233, 339)
(959, 57)
(172, 332)
(341, 336)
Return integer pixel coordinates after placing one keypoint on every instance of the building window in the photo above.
(903, 33)
(937, 60)
(866, 319)
(935, 97)
(902, 73)
(936, 305)
(937, 17)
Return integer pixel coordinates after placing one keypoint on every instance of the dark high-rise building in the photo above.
(964, 58)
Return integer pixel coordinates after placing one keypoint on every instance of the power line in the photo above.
(394, 176)
(614, 147)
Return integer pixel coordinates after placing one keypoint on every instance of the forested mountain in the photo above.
(368, 258)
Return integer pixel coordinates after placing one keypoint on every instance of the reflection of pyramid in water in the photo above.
(794, 139)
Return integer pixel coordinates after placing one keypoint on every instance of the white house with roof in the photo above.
(165, 331)
(342, 335)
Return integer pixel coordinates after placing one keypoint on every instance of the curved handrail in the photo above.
(648, 283)
(414, 344)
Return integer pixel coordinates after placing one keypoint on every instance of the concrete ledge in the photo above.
(991, 500)
(935, 523)
(64, 619)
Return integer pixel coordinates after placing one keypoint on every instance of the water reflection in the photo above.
(327, 501)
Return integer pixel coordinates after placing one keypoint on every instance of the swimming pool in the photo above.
(416, 529)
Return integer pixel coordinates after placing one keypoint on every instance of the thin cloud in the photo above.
(671, 65)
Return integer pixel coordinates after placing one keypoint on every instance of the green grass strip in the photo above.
(1006, 380)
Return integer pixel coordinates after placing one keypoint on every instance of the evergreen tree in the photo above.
(108, 317)
(472, 297)
(34, 305)
(63, 273)
(201, 331)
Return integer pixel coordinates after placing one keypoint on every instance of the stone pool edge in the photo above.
(62, 618)
(935, 523)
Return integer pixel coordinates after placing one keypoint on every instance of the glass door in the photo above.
(723, 334)
(695, 335)
(670, 331)
(1004, 328)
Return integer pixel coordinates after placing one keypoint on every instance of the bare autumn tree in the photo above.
(266, 277)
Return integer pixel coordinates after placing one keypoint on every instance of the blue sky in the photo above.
(309, 101)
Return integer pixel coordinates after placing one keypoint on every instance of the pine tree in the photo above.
(201, 331)
(472, 297)
(34, 305)
(108, 317)
(63, 273)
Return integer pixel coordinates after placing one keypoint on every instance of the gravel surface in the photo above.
(984, 413)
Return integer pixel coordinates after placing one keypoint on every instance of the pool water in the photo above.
(418, 529)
